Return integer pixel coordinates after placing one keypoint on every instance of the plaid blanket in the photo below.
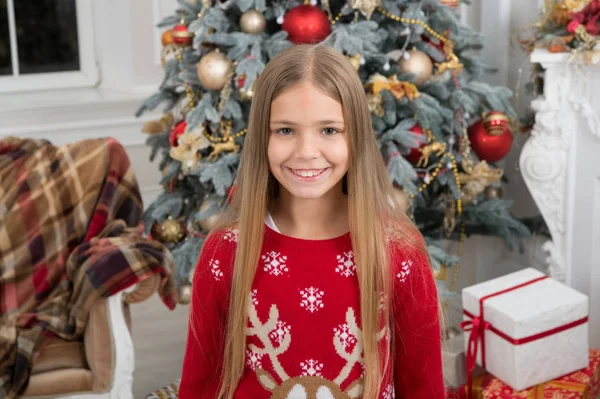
(69, 234)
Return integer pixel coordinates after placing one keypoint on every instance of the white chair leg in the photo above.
(122, 347)
(122, 387)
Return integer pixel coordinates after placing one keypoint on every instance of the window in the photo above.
(46, 44)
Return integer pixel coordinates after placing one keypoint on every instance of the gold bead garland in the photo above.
(222, 140)
(188, 87)
(459, 209)
(436, 171)
(415, 22)
(336, 19)
(461, 244)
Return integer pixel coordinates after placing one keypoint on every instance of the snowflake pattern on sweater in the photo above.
(346, 266)
(304, 337)
(312, 299)
(215, 269)
(274, 263)
(405, 270)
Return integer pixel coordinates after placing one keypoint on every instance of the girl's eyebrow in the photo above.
(322, 122)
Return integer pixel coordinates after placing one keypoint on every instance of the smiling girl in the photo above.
(314, 284)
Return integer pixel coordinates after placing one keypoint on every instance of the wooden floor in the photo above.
(159, 336)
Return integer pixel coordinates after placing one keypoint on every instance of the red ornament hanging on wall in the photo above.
(306, 24)
(177, 131)
(415, 153)
(491, 137)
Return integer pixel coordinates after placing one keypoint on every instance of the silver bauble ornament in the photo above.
(419, 64)
(214, 69)
(184, 293)
(253, 22)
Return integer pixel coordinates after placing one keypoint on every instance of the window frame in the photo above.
(86, 76)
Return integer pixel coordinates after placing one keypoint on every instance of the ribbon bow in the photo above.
(477, 327)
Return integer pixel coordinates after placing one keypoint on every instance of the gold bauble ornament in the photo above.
(366, 7)
(167, 37)
(214, 69)
(208, 223)
(253, 22)
(169, 231)
(355, 60)
(418, 64)
(170, 52)
(184, 293)
(247, 94)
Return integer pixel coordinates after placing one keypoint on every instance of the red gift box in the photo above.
(582, 384)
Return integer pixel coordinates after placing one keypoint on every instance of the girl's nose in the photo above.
(307, 147)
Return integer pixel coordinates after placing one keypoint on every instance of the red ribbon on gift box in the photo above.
(477, 326)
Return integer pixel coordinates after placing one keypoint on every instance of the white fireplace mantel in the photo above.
(560, 163)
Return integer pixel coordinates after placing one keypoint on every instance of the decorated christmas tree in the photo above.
(440, 130)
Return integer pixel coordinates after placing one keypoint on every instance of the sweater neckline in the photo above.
(302, 243)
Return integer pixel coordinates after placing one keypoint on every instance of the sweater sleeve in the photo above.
(417, 337)
(202, 364)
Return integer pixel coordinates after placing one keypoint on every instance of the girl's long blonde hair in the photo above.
(372, 206)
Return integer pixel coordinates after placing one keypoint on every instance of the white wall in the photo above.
(498, 20)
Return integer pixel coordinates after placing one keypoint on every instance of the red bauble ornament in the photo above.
(182, 35)
(415, 153)
(177, 131)
(491, 137)
(306, 24)
(451, 3)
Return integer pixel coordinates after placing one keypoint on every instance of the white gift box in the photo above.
(453, 361)
(537, 328)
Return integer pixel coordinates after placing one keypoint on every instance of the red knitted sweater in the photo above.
(304, 338)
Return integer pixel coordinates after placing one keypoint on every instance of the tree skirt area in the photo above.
(170, 391)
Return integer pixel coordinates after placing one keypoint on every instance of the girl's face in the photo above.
(308, 144)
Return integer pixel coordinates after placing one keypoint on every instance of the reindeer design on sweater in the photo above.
(306, 387)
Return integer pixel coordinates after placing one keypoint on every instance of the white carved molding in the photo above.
(543, 165)
(548, 159)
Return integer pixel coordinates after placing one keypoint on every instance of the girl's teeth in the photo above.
(308, 173)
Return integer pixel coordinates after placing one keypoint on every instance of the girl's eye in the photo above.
(329, 131)
(286, 131)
